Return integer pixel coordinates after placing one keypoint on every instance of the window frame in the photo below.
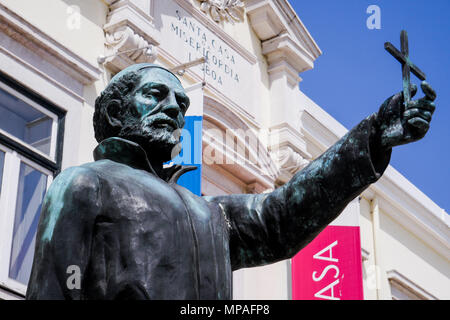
(31, 103)
(8, 201)
(57, 114)
(16, 152)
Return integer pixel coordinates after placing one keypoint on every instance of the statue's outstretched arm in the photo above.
(270, 227)
(266, 228)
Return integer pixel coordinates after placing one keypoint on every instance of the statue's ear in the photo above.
(112, 113)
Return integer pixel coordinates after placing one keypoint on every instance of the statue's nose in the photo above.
(171, 110)
(171, 107)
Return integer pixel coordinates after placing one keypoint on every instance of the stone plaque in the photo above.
(187, 38)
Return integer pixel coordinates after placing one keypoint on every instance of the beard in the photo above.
(159, 140)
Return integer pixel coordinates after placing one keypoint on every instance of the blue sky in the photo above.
(355, 74)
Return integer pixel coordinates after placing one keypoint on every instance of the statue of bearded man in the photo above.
(135, 234)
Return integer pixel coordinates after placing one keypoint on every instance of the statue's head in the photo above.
(146, 104)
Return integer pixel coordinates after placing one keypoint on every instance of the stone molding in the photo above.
(283, 35)
(281, 69)
(284, 135)
(223, 10)
(289, 50)
(284, 48)
(124, 38)
(289, 163)
(47, 48)
(270, 18)
(128, 27)
(403, 284)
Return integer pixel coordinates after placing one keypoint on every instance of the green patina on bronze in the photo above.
(135, 234)
(407, 66)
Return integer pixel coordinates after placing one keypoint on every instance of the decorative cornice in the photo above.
(286, 43)
(296, 27)
(271, 18)
(134, 12)
(128, 28)
(264, 19)
(284, 135)
(289, 163)
(288, 150)
(280, 68)
(223, 10)
(284, 48)
(47, 48)
(123, 39)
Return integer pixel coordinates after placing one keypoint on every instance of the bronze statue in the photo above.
(135, 234)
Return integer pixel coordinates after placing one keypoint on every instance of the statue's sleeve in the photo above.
(267, 228)
(64, 235)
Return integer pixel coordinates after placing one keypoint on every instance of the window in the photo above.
(25, 122)
(31, 131)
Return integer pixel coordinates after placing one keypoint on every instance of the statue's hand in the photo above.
(398, 125)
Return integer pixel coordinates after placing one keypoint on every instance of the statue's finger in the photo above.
(428, 91)
(413, 104)
(426, 104)
(413, 113)
(412, 89)
(423, 104)
(419, 123)
(412, 93)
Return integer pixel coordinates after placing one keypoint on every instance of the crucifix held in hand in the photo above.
(407, 65)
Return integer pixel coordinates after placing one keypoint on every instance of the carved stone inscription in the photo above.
(225, 69)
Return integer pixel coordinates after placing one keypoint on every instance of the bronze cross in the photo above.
(407, 65)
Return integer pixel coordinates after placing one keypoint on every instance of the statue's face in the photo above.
(158, 105)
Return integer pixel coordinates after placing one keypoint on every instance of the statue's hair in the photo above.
(116, 90)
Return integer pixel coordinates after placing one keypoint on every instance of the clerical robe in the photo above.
(135, 235)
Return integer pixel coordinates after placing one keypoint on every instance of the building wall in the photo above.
(83, 33)
(403, 251)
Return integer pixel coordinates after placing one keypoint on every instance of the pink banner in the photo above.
(330, 267)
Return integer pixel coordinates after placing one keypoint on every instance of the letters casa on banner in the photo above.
(330, 267)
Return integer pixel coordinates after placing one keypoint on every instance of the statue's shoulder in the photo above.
(106, 169)
(80, 179)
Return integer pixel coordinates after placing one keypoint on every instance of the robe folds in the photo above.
(135, 235)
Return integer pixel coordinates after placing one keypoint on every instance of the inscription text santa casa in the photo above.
(221, 62)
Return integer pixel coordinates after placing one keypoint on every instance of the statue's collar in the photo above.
(130, 153)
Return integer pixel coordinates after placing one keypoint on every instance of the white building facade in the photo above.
(56, 56)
